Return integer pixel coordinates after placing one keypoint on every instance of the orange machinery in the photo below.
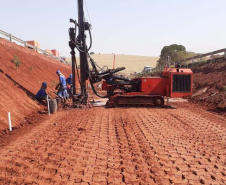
(173, 82)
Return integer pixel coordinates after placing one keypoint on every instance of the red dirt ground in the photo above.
(18, 86)
(185, 145)
(181, 145)
(212, 76)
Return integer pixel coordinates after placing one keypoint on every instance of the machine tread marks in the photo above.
(119, 146)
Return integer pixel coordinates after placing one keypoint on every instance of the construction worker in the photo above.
(41, 94)
(62, 86)
(69, 81)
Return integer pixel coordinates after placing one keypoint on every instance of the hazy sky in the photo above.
(135, 27)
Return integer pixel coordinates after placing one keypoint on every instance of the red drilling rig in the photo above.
(122, 91)
(173, 82)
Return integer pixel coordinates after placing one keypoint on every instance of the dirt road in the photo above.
(185, 145)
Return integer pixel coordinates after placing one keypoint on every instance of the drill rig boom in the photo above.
(123, 91)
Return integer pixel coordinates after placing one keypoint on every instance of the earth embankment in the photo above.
(19, 84)
(210, 84)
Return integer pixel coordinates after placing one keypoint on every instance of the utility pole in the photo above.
(84, 68)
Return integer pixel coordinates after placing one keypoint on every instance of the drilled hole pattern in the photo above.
(119, 146)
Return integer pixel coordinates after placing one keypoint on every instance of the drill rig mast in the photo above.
(83, 51)
(94, 75)
(122, 91)
(79, 42)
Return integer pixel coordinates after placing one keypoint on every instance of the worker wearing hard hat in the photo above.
(62, 86)
(41, 94)
(69, 81)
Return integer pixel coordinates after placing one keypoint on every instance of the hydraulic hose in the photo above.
(96, 93)
(91, 40)
(91, 43)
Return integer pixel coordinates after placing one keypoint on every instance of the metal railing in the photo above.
(25, 44)
(200, 57)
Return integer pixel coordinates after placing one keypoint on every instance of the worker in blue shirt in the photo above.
(41, 94)
(62, 86)
(69, 81)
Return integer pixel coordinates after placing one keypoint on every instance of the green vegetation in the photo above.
(30, 68)
(16, 61)
(172, 54)
(92, 53)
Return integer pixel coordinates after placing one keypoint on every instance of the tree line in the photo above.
(173, 54)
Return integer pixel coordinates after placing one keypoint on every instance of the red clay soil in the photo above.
(18, 86)
(212, 76)
(185, 145)
(181, 145)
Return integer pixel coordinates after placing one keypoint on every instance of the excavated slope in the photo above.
(210, 84)
(18, 86)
